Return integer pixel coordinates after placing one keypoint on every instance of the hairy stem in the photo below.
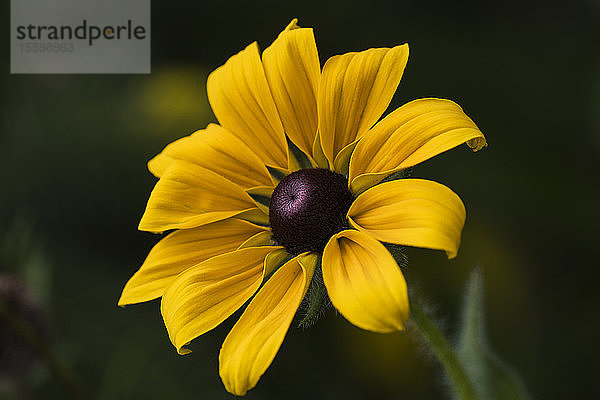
(445, 354)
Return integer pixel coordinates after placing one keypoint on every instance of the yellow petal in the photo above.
(187, 196)
(262, 238)
(292, 68)
(275, 259)
(294, 164)
(342, 160)
(292, 25)
(364, 282)
(354, 91)
(411, 212)
(320, 161)
(242, 102)
(255, 339)
(255, 215)
(219, 150)
(265, 191)
(204, 295)
(411, 134)
(182, 249)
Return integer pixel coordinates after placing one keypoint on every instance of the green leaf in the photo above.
(491, 377)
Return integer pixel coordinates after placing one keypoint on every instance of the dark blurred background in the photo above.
(73, 185)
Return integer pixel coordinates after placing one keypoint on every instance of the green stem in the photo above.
(443, 351)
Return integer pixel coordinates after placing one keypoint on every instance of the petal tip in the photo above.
(477, 143)
(182, 351)
(153, 167)
(146, 226)
(451, 254)
(122, 302)
(292, 25)
(404, 46)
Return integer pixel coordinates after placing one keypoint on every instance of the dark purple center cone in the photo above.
(307, 208)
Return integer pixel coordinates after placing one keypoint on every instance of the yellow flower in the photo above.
(333, 215)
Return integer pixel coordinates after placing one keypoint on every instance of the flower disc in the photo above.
(307, 208)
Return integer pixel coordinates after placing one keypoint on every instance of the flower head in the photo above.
(310, 144)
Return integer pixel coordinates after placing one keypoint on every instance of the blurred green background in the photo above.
(73, 185)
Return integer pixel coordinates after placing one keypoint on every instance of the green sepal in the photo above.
(316, 301)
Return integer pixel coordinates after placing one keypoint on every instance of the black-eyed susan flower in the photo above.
(309, 141)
